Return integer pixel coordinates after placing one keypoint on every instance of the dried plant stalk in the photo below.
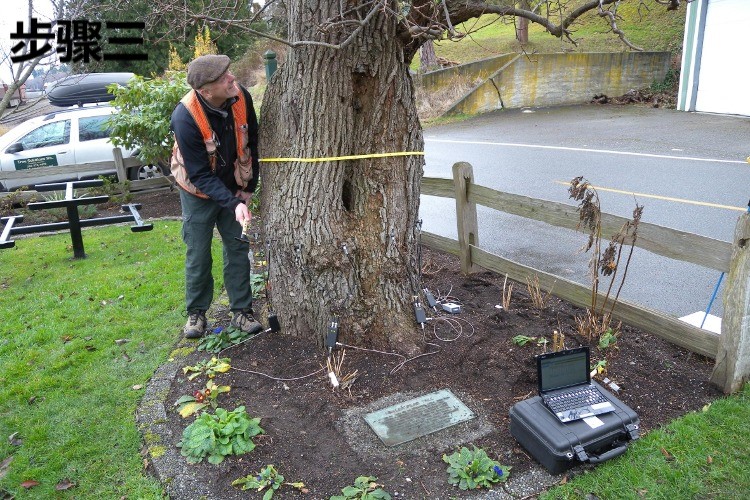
(592, 326)
(603, 263)
(538, 299)
(558, 341)
(335, 365)
(507, 293)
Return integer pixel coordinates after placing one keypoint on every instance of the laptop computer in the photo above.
(565, 385)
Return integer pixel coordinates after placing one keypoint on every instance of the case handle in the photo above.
(614, 452)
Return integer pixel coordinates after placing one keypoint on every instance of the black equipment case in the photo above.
(559, 446)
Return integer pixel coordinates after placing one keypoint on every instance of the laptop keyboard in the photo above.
(574, 399)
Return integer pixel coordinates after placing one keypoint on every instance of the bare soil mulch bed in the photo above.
(308, 437)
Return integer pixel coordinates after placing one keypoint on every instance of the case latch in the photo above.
(580, 453)
(632, 431)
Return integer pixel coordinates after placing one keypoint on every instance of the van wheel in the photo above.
(147, 172)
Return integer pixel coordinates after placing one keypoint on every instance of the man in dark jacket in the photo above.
(215, 164)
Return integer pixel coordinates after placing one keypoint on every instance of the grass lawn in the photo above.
(69, 388)
(702, 455)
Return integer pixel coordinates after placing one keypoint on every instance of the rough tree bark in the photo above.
(522, 30)
(328, 103)
(522, 24)
(427, 57)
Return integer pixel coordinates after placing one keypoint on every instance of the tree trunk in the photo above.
(522, 30)
(427, 57)
(325, 103)
(522, 24)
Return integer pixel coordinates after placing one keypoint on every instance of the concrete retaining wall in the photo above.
(551, 79)
(481, 70)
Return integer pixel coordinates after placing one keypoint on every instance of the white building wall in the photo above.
(715, 74)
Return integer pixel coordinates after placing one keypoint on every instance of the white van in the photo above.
(65, 137)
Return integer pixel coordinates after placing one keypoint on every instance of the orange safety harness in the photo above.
(243, 171)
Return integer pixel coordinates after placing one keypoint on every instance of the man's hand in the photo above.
(243, 195)
(241, 213)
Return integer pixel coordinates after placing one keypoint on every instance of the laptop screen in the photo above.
(563, 369)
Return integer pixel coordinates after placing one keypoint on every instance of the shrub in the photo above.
(144, 110)
(219, 435)
(473, 469)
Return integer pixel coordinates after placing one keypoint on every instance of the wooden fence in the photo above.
(731, 349)
(118, 164)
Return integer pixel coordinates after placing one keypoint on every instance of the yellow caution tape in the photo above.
(340, 158)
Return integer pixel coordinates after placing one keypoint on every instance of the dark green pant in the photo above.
(199, 216)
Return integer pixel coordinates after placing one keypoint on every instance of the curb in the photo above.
(167, 464)
(160, 443)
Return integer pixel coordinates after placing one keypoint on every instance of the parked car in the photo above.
(65, 137)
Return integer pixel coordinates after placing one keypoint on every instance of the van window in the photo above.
(50, 134)
(93, 127)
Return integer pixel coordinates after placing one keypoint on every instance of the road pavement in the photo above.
(689, 171)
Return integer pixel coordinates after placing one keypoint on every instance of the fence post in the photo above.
(732, 366)
(270, 62)
(122, 175)
(466, 215)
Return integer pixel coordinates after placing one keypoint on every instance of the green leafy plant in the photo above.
(254, 203)
(364, 488)
(207, 367)
(473, 469)
(144, 109)
(607, 339)
(189, 405)
(219, 435)
(61, 214)
(268, 477)
(670, 82)
(227, 337)
(522, 340)
(258, 283)
(118, 192)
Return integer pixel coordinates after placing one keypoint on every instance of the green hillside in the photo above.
(652, 30)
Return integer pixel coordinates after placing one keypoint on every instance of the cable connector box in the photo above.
(429, 298)
(451, 307)
(332, 334)
(419, 312)
(273, 322)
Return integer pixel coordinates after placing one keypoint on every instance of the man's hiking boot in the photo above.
(196, 325)
(244, 321)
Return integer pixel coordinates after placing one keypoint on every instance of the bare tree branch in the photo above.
(451, 30)
(425, 19)
(25, 68)
(611, 17)
(246, 29)
(377, 6)
(464, 11)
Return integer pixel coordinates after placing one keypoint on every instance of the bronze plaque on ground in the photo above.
(418, 417)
